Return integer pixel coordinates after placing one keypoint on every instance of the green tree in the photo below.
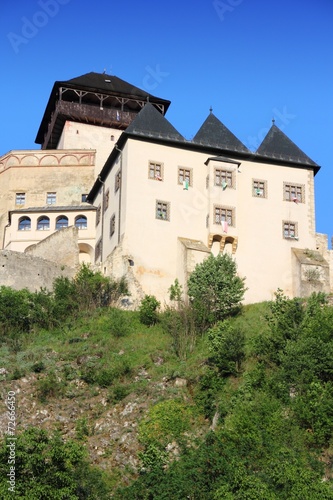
(226, 344)
(48, 467)
(215, 290)
(148, 310)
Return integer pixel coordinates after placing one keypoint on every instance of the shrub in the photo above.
(226, 345)
(148, 310)
(180, 325)
(48, 467)
(215, 290)
(49, 387)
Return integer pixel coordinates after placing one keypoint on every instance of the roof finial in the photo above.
(273, 121)
(211, 110)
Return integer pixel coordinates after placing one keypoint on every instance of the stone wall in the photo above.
(60, 247)
(19, 270)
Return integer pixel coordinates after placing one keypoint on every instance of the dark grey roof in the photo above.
(224, 159)
(213, 133)
(95, 82)
(149, 123)
(54, 208)
(108, 84)
(276, 145)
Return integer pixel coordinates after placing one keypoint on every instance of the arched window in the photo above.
(43, 223)
(62, 221)
(24, 224)
(81, 222)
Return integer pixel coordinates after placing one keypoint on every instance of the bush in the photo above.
(148, 310)
(180, 325)
(48, 467)
(226, 345)
(49, 387)
(215, 290)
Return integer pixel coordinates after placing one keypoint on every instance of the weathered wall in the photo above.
(60, 247)
(310, 271)
(19, 270)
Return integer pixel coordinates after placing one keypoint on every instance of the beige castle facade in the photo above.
(150, 205)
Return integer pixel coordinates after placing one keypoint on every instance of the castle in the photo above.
(116, 185)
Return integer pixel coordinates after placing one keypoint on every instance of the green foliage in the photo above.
(119, 322)
(38, 367)
(87, 290)
(226, 344)
(176, 291)
(148, 310)
(21, 310)
(215, 290)
(209, 386)
(93, 373)
(166, 421)
(47, 467)
(82, 429)
(180, 325)
(118, 393)
(49, 387)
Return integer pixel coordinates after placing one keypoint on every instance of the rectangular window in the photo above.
(51, 198)
(185, 177)
(117, 181)
(162, 210)
(98, 249)
(290, 230)
(155, 171)
(112, 225)
(259, 188)
(84, 198)
(224, 178)
(20, 199)
(293, 192)
(98, 215)
(106, 200)
(224, 214)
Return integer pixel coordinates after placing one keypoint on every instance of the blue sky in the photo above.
(251, 60)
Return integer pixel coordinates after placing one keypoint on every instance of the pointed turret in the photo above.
(277, 146)
(150, 123)
(213, 133)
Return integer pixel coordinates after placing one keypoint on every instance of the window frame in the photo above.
(98, 249)
(106, 200)
(51, 198)
(112, 225)
(226, 175)
(117, 180)
(41, 226)
(157, 169)
(162, 210)
(289, 236)
(57, 222)
(182, 173)
(80, 225)
(256, 187)
(229, 216)
(294, 192)
(24, 227)
(98, 214)
(20, 198)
